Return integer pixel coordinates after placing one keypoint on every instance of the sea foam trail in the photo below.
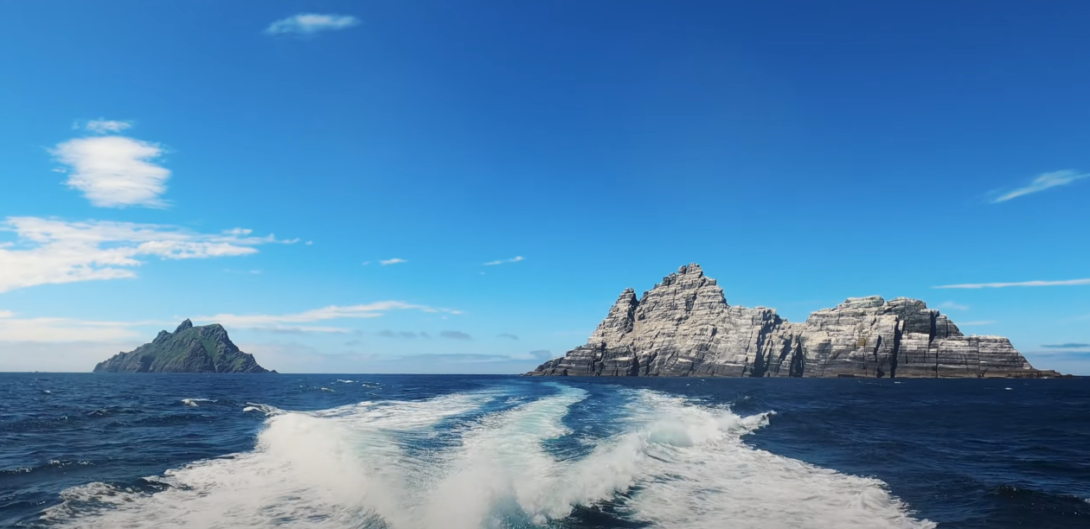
(671, 464)
(332, 469)
(695, 473)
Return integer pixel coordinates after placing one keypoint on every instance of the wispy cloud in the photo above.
(1068, 282)
(507, 335)
(332, 312)
(950, 305)
(974, 323)
(311, 23)
(309, 329)
(393, 261)
(66, 329)
(107, 126)
(409, 335)
(455, 335)
(115, 171)
(515, 259)
(1068, 346)
(55, 251)
(1042, 182)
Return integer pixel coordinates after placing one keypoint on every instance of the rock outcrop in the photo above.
(684, 327)
(189, 349)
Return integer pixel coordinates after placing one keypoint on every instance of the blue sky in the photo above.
(256, 163)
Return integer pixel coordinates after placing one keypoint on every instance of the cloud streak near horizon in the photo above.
(332, 312)
(1042, 182)
(1068, 282)
(49, 251)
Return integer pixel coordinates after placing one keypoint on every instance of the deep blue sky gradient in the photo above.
(802, 152)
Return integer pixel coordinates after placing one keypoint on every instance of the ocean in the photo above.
(469, 452)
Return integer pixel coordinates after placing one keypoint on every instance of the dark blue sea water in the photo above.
(468, 452)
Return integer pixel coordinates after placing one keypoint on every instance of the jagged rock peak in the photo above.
(684, 327)
(865, 302)
(690, 275)
(189, 349)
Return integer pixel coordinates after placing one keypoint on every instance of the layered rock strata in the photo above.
(684, 327)
(189, 349)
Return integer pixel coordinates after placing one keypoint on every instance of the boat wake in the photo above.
(487, 460)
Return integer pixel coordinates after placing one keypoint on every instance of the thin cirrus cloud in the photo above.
(114, 171)
(408, 335)
(950, 305)
(50, 251)
(393, 261)
(1064, 283)
(1042, 182)
(1067, 346)
(332, 312)
(515, 259)
(311, 24)
(455, 335)
(507, 335)
(64, 329)
(107, 126)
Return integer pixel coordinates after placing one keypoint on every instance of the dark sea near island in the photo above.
(468, 452)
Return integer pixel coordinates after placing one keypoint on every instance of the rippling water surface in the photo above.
(468, 452)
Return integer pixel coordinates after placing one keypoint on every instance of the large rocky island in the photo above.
(189, 349)
(684, 327)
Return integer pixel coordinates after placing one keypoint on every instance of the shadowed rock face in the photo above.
(684, 327)
(188, 349)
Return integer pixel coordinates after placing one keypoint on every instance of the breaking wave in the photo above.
(490, 460)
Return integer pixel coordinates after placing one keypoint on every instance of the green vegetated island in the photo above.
(189, 349)
(684, 327)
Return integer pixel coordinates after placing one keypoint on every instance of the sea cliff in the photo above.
(684, 327)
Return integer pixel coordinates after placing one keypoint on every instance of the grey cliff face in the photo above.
(189, 349)
(684, 327)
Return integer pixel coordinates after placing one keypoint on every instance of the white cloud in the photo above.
(1069, 282)
(106, 126)
(311, 23)
(1042, 182)
(115, 171)
(332, 312)
(503, 261)
(950, 305)
(64, 329)
(55, 251)
(395, 260)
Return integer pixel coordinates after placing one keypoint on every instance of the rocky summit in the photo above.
(684, 327)
(189, 349)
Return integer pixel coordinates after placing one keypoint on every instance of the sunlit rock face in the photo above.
(684, 327)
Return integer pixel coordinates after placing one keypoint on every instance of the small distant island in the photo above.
(189, 349)
(684, 327)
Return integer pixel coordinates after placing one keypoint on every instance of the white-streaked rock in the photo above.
(684, 327)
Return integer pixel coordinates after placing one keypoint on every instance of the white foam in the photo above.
(335, 468)
(195, 402)
(697, 473)
(681, 465)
